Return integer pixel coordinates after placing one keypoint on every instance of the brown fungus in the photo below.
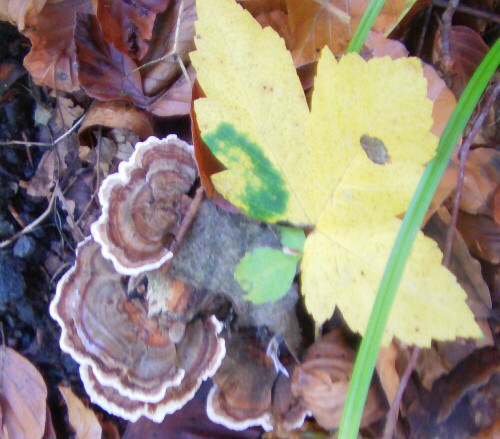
(248, 390)
(200, 354)
(124, 350)
(241, 396)
(143, 204)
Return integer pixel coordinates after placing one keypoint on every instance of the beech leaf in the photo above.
(349, 167)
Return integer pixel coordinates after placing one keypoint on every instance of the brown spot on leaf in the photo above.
(375, 149)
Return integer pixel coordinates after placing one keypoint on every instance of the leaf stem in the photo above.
(368, 352)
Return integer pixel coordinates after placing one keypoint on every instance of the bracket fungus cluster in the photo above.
(139, 355)
(145, 340)
(143, 204)
(249, 391)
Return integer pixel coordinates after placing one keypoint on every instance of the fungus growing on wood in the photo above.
(143, 204)
(200, 354)
(248, 390)
(130, 363)
(101, 327)
(241, 396)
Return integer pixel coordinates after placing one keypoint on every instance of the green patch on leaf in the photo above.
(292, 238)
(266, 274)
(257, 187)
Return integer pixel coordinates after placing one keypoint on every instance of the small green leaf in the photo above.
(292, 238)
(266, 274)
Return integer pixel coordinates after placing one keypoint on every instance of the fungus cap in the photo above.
(143, 204)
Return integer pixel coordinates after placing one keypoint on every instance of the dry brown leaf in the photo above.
(492, 432)
(49, 432)
(115, 114)
(43, 182)
(175, 100)
(278, 20)
(103, 71)
(315, 24)
(496, 206)
(467, 50)
(51, 60)
(82, 419)
(472, 373)
(429, 367)
(161, 74)
(24, 394)
(386, 369)
(482, 235)
(66, 112)
(462, 264)
(481, 180)
(107, 74)
(128, 24)
(256, 7)
(322, 381)
(16, 11)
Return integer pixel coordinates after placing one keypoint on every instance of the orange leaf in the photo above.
(51, 60)
(467, 50)
(207, 163)
(82, 419)
(116, 114)
(333, 23)
(128, 24)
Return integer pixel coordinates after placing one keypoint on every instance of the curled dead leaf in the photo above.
(482, 235)
(322, 381)
(160, 75)
(331, 23)
(51, 60)
(23, 397)
(104, 72)
(128, 25)
(115, 114)
(16, 11)
(467, 50)
(82, 419)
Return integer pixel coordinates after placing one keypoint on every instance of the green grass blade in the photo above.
(365, 25)
(368, 352)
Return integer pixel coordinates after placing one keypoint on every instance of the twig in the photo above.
(54, 143)
(98, 178)
(446, 30)
(464, 151)
(423, 34)
(490, 16)
(15, 214)
(173, 52)
(30, 227)
(392, 416)
(185, 225)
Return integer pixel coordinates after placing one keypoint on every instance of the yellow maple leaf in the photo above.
(349, 167)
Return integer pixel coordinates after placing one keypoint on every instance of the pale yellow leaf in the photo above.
(349, 167)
